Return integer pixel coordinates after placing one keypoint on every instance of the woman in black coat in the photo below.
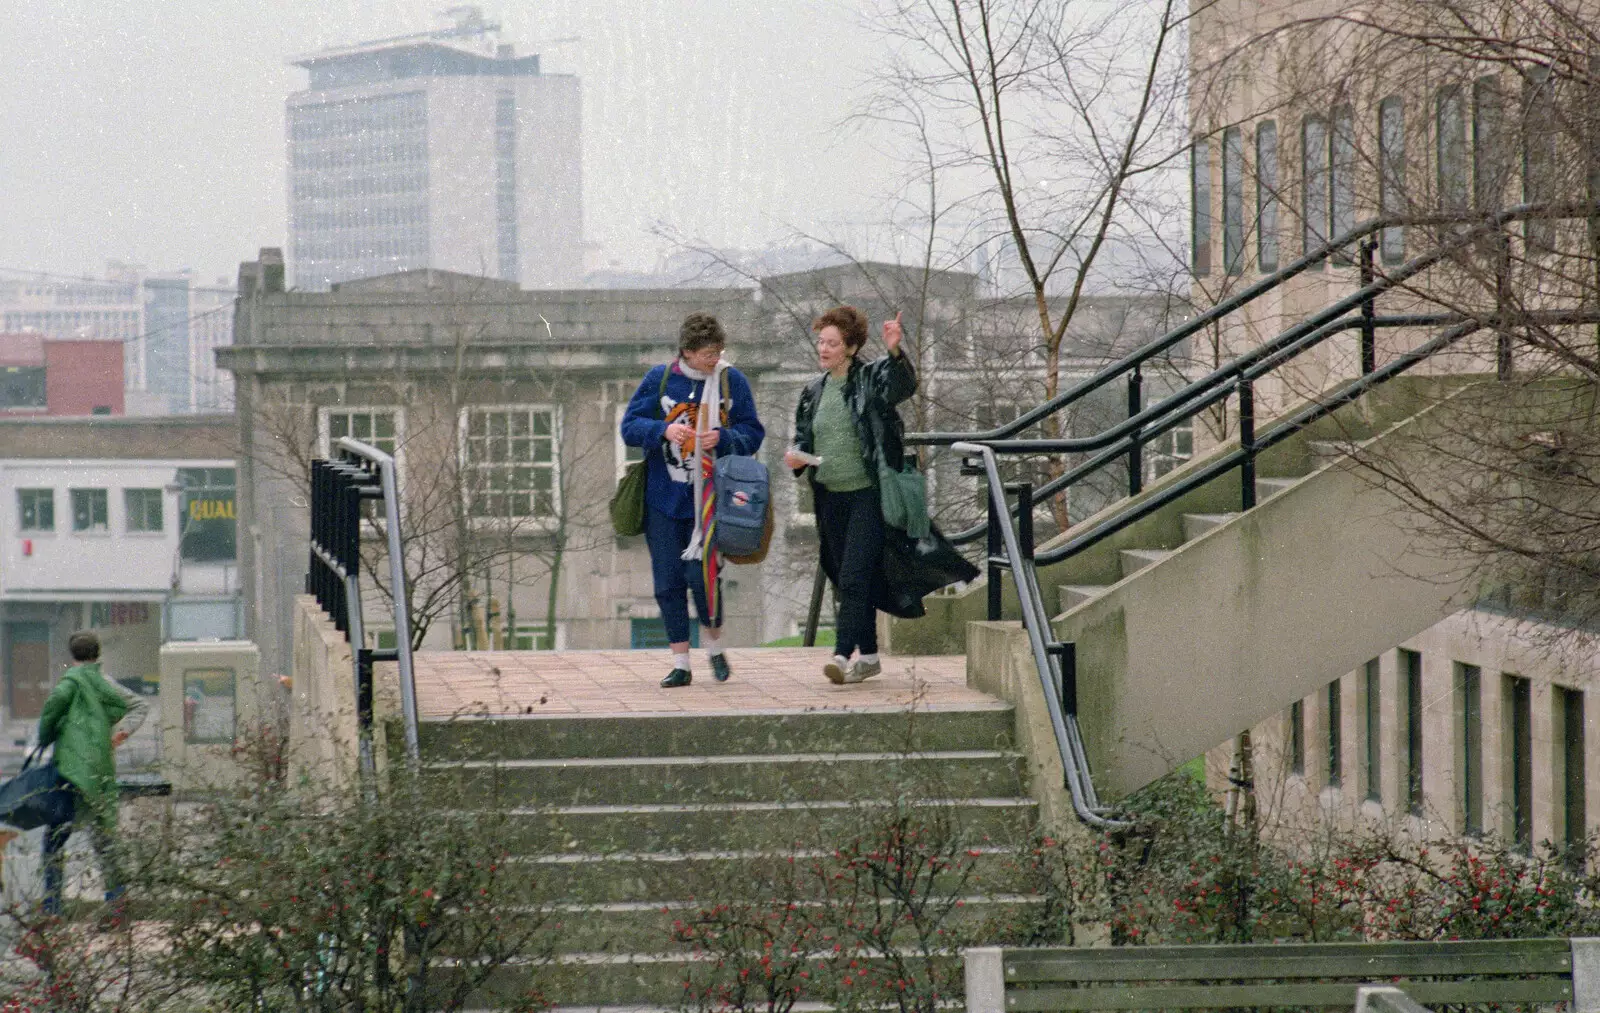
(846, 427)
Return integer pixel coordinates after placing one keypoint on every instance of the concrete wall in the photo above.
(1500, 648)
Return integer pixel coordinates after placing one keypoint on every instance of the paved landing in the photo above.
(556, 683)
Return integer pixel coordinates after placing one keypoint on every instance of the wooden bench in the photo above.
(1289, 974)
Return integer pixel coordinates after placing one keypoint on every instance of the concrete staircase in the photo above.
(1202, 618)
(623, 821)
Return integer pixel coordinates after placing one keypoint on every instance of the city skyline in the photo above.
(157, 135)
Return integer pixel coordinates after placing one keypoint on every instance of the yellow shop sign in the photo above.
(211, 510)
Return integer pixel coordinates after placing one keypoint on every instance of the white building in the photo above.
(122, 526)
(442, 150)
(170, 328)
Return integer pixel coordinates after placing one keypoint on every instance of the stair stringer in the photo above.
(1262, 611)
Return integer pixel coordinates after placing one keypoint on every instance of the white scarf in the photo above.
(705, 421)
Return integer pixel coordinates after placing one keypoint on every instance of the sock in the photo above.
(681, 661)
(714, 647)
(869, 659)
(841, 661)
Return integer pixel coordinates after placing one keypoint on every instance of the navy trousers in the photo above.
(675, 576)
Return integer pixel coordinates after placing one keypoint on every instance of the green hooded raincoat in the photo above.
(78, 717)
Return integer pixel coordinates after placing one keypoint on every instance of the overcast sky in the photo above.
(153, 131)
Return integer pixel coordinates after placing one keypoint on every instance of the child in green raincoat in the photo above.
(78, 718)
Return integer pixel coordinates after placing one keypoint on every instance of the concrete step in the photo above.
(663, 876)
(1073, 595)
(971, 773)
(598, 828)
(1195, 525)
(599, 737)
(1266, 488)
(1134, 560)
(646, 927)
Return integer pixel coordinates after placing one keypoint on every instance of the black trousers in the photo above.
(850, 528)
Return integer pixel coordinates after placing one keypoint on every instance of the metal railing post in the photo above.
(1369, 309)
(1247, 443)
(1024, 491)
(995, 547)
(814, 611)
(1136, 448)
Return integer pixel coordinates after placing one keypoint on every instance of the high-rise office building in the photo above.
(442, 149)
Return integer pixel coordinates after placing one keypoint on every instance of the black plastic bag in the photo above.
(914, 568)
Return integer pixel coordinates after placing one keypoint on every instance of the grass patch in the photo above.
(825, 638)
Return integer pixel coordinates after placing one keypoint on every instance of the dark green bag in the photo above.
(904, 496)
(627, 503)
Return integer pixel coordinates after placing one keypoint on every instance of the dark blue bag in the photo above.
(37, 797)
(743, 498)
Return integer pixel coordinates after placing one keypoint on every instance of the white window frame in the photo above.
(324, 427)
(558, 640)
(467, 467)
(72, 511)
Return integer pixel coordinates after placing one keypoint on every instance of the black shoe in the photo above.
(720, 669)
(677, 677)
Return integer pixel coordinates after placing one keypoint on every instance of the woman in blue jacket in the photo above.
(664, 418)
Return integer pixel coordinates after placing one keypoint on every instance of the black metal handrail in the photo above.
(1362, 300)
(1055, 662)
(334, 576)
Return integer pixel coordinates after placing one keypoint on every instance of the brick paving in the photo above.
(464, 683)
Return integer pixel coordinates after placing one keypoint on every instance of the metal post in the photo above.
(1136, 451)
(1024, 491)
(1369, 310)
(995, 548)
(814, 613)
(1247, 442)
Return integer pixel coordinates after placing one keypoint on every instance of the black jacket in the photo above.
(909, 568)
(871, 390)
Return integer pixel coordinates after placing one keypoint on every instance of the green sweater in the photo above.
(78, 717)
(834, 436)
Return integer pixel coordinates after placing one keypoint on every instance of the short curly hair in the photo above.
(852, 324)
(701, 330)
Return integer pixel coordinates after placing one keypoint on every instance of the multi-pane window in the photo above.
(1392, 175)
(1469, 691)
(207, 516)
(509, 462)
(1267, 196)
(1411, 668)
(1335, 720)
(143, 508)
(1200, 206)
(1491, 161)
(376, 427)
(1372, 698)
(37, 508)
(1342, 179)
(534, 638)
(1233, 200)
(1314, 184)
(89, 510)
(1450, 152)
(1517, 707)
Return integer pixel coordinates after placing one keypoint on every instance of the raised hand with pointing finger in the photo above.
(892, 333)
